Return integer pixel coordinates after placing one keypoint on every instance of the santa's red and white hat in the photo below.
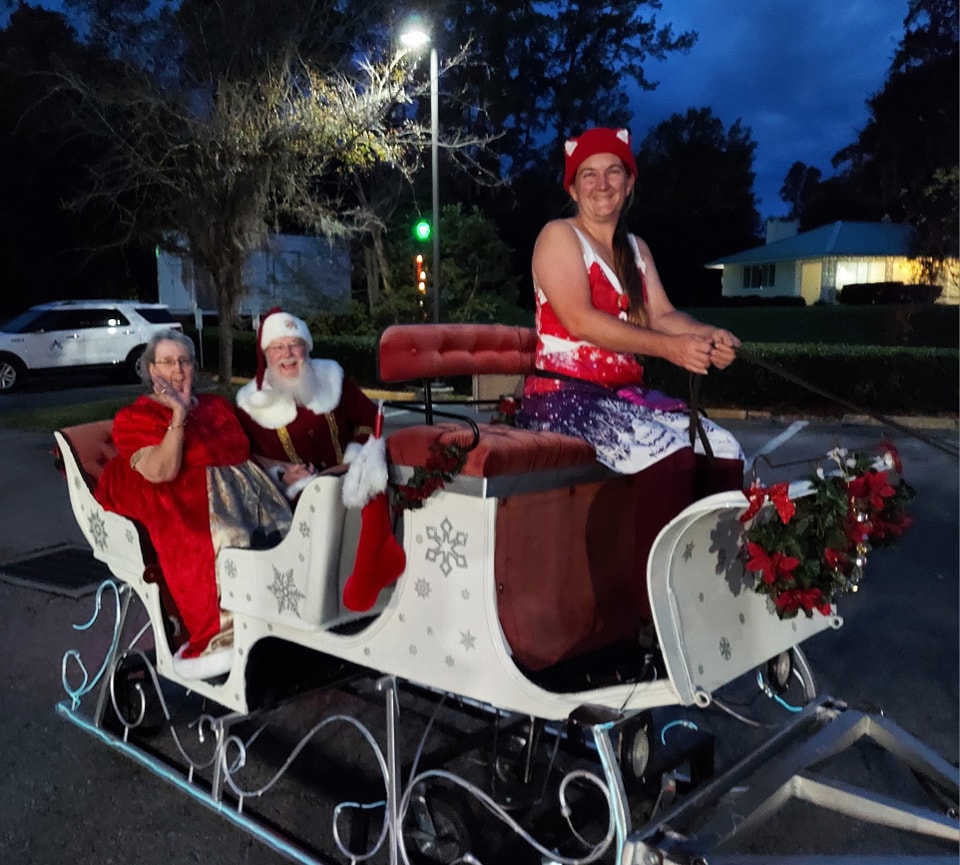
(277, 324)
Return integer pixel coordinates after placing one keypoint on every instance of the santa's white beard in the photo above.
(301, 389)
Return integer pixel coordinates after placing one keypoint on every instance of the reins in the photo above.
(696, 428)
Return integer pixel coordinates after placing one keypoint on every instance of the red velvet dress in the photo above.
(178, 514)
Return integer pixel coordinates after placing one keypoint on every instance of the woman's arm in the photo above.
(559, 272)
(161, 463)
(664, 317)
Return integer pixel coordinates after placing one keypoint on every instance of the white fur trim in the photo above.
(282, 325)
(351, 452)
(367, 476)
(272, 410)
(207, 665)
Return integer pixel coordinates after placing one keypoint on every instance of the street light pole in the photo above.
(435, 177)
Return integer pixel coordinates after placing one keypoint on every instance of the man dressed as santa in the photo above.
(302, 415)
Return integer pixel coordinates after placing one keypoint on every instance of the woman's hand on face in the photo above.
(169, 395)
(690, 351)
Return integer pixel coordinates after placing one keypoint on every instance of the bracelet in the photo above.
(175, 425)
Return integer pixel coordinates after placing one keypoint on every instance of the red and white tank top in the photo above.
(557, 351)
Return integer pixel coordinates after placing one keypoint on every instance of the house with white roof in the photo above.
(817, 264)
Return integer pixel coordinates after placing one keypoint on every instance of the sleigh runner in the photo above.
(492, 607)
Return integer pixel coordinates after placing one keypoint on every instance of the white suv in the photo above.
(79, 333)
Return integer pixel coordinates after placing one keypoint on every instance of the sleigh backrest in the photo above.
(93, 447)
(411, 352)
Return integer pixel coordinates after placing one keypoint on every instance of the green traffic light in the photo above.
(421, 231)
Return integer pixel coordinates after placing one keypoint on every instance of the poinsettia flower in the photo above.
(756, 496)
(884, 529)
(834, 558)
(771, 567)
(782, 502)
(791, 601)
(889, 458)
(872, 487)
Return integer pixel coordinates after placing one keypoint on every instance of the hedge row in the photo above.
(862, 293)
(891, 380)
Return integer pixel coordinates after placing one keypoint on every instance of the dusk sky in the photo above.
(797, 72)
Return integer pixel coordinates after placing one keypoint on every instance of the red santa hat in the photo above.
(600, 139)
(277, 324)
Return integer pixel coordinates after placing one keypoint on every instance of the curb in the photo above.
(928, 422)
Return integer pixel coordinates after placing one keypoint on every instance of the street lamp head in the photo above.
(414, 34)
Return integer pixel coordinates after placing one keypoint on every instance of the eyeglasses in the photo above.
(168, 362)
(280, 348)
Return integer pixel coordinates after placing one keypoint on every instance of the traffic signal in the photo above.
(420, 274)
(422, 230)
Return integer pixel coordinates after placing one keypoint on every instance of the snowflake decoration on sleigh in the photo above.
(807, 551)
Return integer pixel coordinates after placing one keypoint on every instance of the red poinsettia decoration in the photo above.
(809, 549)
(507, 408)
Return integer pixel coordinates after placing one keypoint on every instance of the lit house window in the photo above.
(757, 276)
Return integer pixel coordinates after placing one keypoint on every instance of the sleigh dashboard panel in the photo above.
(713, 626)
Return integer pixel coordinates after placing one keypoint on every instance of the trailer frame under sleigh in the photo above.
(576, 740)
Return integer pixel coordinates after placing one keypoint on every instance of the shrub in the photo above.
(759, 300)
(863, 293)
(891, 380)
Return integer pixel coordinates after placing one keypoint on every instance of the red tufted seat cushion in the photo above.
(503, 450)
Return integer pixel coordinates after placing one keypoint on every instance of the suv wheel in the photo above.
(134, 366)
(11, 372)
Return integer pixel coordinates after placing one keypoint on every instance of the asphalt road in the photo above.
(67, 797)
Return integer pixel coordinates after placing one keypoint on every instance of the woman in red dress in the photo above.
(183, 471)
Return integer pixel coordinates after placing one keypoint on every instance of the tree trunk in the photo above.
(372, 267)
(229, 284)
(377, 234)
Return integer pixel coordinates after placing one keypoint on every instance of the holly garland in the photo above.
(444, 463)
(807, 551)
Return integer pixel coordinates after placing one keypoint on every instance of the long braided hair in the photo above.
(625, 265)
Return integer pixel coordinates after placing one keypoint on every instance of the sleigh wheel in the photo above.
(439, 828)
(636, 747)
(790, 673)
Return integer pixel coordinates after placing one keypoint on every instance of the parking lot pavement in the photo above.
(35, 511)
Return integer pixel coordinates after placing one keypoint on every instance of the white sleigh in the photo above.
(440, 625)
(505, 601)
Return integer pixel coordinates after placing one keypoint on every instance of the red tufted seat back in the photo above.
(408, 352)
(93, 445)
